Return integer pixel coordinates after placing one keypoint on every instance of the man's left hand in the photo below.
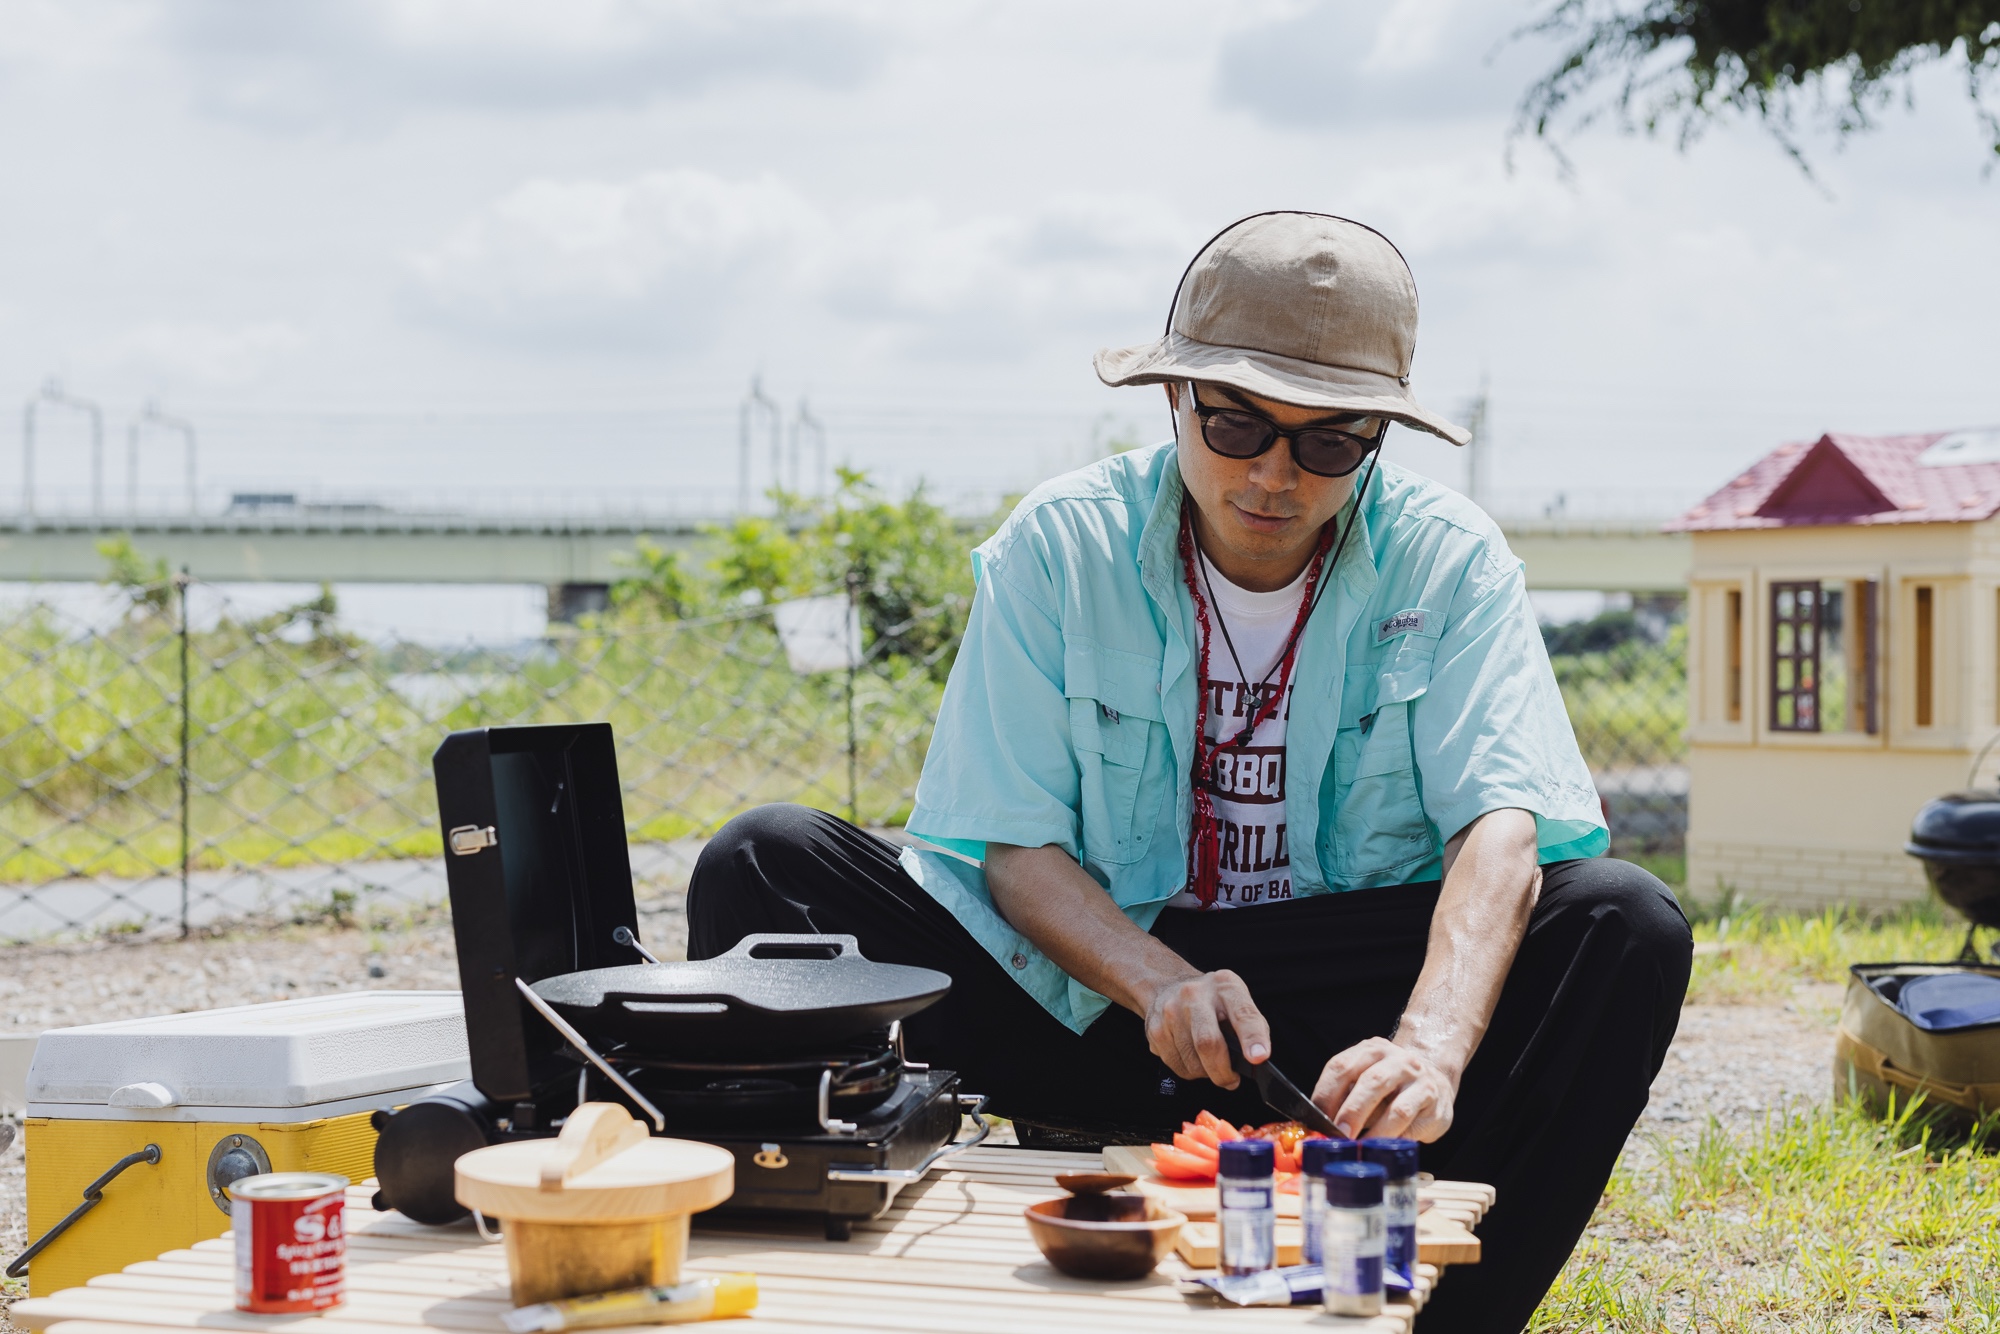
(1378, 1088)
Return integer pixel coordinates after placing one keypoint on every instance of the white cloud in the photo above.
(995, 281)
(207, 354)
(315, 64)
(653, 260)
(671, 257)
(1409, 35)
(1375, 64)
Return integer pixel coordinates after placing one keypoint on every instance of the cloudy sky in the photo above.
(416, 246)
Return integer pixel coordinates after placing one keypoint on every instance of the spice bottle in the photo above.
(1247, 1206)
(1314, 1155)
(1398, 1158)
(1352, 1235)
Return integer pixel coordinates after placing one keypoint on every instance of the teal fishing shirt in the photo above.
(1423, 700)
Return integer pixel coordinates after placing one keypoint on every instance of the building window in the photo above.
(1733, 702)
(1823, 666)
(1794, 657)
(1926, 654)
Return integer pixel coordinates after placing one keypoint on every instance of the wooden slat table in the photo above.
(953, 1255)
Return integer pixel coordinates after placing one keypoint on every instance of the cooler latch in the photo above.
(470, 838)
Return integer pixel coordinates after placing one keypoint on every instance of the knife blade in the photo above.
(1280, 1094)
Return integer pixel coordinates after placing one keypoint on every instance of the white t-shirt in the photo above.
(1248, 785)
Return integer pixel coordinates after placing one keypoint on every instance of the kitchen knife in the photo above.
(1280, 1094)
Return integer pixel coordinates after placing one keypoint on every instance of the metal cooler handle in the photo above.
(975, 1105)
(93, 1195)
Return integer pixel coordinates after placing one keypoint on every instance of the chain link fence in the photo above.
(1624, 678)
(190, 763)
(185, 761)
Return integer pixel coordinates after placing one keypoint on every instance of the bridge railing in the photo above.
(182, 761)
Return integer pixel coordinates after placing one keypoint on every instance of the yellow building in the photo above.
(1843, 641)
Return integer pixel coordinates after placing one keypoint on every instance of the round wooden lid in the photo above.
(603, 1168)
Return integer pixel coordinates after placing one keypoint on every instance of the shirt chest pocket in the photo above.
(1120, 738)
(1379, 824)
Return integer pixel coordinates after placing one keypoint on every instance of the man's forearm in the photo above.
(1048, 898)
(1490, 883)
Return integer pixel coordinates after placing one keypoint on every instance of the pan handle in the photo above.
(794, 945)
(652, 1002)
(639, 1005)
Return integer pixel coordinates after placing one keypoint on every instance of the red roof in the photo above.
(1855, 479)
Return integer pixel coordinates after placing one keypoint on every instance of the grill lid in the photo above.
(1959, 828)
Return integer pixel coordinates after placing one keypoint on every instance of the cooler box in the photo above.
(284, 1087)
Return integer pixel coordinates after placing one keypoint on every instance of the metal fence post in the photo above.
(187, 709)
(853, 748)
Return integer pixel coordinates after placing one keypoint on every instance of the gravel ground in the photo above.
(1733, 1062)
(1736, 1062)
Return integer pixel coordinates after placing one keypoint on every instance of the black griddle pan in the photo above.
(771, 995)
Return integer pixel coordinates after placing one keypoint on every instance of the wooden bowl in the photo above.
(1085, 1249)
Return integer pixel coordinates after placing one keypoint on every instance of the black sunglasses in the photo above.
(1237, 433)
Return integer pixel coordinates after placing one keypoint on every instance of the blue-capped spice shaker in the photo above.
(1314, 1155)
(1352, 1232)
(1398, 1158)
(1247, 1206)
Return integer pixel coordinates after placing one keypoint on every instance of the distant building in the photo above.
(1843, 660)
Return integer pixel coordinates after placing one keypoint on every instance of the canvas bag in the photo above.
(1880, 1051)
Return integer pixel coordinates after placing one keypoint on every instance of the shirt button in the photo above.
(1020, 961)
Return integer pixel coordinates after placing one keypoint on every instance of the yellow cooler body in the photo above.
(149, 1209)
(295, 1079)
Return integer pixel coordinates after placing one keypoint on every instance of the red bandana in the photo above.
(1205, 847)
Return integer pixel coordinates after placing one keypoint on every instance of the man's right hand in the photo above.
(1046, 896)
(1184, 1022)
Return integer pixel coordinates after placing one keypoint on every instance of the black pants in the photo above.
(1545, 1105)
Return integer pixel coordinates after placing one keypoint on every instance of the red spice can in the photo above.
(291, 1240)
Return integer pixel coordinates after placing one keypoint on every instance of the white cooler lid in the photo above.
(293, 1053)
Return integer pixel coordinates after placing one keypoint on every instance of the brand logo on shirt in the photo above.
(1402, 623)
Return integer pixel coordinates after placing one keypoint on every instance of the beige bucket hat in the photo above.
(1303, 308)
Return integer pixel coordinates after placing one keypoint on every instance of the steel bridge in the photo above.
(366, 544)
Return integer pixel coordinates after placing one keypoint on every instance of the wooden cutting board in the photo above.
(1193, 1198)
(1440, 1241)
(1444, 1228)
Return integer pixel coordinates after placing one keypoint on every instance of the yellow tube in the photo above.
(696, 1299)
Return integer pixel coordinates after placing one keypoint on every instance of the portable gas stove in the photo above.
(818, 1163)
(541, 886)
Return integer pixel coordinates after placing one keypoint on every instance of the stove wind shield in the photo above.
(540, 880)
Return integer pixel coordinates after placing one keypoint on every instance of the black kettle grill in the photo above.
(1957, 838)
(786, 1050)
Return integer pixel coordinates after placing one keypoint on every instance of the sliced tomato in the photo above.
(1188, 1144)
(1194, 1130)
(1209, 1121)
(1289, 1184)
(1216, 1126)
(1172, 1162)
(1285, 1162)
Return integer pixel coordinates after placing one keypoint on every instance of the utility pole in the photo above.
(55, 395)
(774, 415)
(1478, 476)
(152, 416)
(743, 458)
(806, 423)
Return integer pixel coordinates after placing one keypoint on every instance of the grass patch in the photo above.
(1671, 868)
(317, 751)
(1747, 954)
(1826, 1220)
